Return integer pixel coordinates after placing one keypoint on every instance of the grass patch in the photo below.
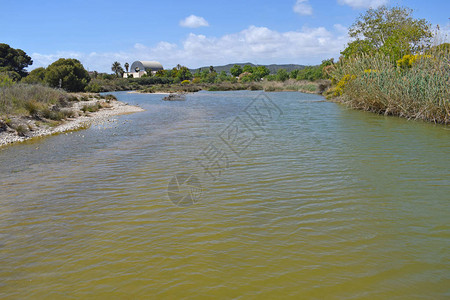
(20, 99)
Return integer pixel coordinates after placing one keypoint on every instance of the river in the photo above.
(229, 195)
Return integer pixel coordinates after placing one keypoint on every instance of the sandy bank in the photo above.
(155, 93)
(115, 108)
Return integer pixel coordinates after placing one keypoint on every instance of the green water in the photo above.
(315, 202)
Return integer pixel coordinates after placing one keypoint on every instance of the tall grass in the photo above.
(27, 99)
(375, 83)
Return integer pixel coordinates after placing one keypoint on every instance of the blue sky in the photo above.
(191, 33)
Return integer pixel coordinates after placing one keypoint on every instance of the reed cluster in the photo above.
(30, 99)
(418, 89)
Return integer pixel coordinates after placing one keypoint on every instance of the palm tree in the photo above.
(116, 68)
(126, 65)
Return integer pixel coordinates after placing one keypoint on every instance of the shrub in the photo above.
(33, 107)
(69, 73)
(91, 108)
(93, 87)
(282, 75)
(37, 76)
(21, 130)
(5, 80)
(110, 97)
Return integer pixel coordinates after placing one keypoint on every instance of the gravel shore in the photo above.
(116, 108)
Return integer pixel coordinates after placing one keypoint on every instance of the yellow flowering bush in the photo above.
(339, 89)
(408, 60)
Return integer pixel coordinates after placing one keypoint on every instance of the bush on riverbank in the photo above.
(375, 83)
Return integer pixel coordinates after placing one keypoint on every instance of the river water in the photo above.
(229, 195)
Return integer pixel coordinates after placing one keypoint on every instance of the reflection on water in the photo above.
(325, 202)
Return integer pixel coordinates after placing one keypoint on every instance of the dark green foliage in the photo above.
(236, 70)
(310, 73)
(293, 74)
(14, 60)
(182, 73)
(282, 75)
(93, 87)
(117, 69)
(70, 73)
(271, 77)
(261, 72)
(248, 69)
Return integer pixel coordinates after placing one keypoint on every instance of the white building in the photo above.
(139, 68)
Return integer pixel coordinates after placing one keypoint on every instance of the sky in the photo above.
(191, 33)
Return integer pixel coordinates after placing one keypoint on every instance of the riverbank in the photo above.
(22, 128)
(291, 85)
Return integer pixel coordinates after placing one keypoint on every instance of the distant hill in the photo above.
(273, 68)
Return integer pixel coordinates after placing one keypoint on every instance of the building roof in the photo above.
(141, 65)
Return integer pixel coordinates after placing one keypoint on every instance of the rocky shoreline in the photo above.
(80, 121)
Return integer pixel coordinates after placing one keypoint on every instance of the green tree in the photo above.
(294, 73)
(14, 60)
(390, 31)
(35, 76)
(117, 68)
(127, 66)
(247, 68)
(282, 75)
(184, 73)
(261, 71)
(160, 73)
(69, 72)
(236, 70)
(223, 77)
(210, 77)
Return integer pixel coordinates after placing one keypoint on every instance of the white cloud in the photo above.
(302, 7)
(442, 35)
(193, 22)
(357, 4)
(259, 45)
